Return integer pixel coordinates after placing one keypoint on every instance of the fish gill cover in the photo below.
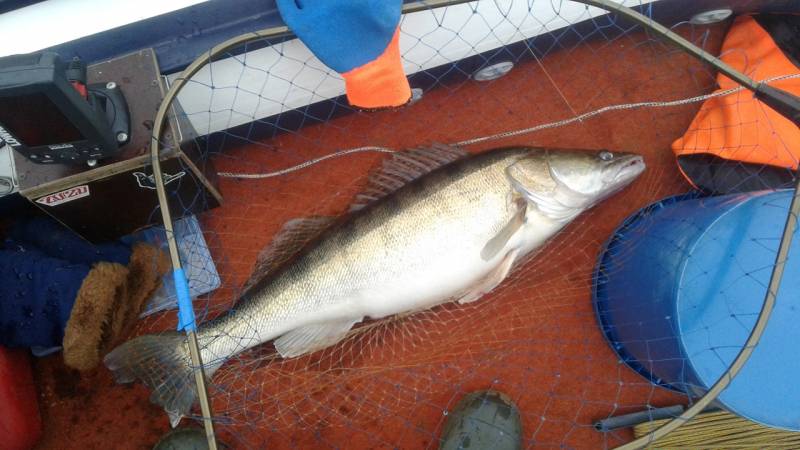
(267, 108)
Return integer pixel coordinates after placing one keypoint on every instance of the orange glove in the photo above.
(358, 39)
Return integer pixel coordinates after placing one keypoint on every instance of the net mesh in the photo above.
(268, 108)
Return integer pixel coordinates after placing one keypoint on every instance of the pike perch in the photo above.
(434, 225)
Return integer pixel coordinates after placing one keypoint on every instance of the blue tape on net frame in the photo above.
(186, 321)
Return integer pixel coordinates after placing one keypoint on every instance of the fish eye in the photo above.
(606, 155)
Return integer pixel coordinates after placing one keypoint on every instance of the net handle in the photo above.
(186, 313)
(186, 319)
(787, 106)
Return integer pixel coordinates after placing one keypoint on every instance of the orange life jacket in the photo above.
(737, 126)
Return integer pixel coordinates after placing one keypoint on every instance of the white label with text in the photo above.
(64, 196)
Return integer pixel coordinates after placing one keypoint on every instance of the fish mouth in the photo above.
(620, 173)
(624, 170)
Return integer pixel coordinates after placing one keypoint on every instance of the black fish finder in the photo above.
(49, 114)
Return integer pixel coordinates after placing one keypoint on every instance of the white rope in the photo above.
(507, 134)
(305, 164)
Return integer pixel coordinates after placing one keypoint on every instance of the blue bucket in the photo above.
(677, 291)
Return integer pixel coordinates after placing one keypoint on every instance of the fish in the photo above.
(433, 225)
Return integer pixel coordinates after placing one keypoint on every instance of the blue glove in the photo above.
(358, 39)
(57, 241)
(142, 264)
(49, 302)
(36, 296)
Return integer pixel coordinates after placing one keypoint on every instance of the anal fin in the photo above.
(311, 338)
(492, 280)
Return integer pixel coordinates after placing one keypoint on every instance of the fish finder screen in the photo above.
(35, 120)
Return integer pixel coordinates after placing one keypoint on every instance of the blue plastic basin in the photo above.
(679, 287)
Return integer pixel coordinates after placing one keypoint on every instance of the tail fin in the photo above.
(162, 363)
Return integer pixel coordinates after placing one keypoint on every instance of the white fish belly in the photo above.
(447, 272)
(537, 231)
(444, 277)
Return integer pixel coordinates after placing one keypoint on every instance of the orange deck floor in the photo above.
(536, 339)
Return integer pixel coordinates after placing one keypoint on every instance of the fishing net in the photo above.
(270, 126)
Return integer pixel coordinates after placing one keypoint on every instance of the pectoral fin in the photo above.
(311, 338)
(492, 280)
(499, 241)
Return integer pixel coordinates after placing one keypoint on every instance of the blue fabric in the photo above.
(37, 293)
(56, 240)
(343, 34)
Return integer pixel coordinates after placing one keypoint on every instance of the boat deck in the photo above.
(535, 338)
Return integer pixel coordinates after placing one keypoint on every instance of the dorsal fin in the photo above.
(404, 167)
(293, 236)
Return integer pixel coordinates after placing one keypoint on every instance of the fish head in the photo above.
(594, 175)
(563, 183)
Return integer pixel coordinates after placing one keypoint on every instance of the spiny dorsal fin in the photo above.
(294, 234)
(404, 167)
